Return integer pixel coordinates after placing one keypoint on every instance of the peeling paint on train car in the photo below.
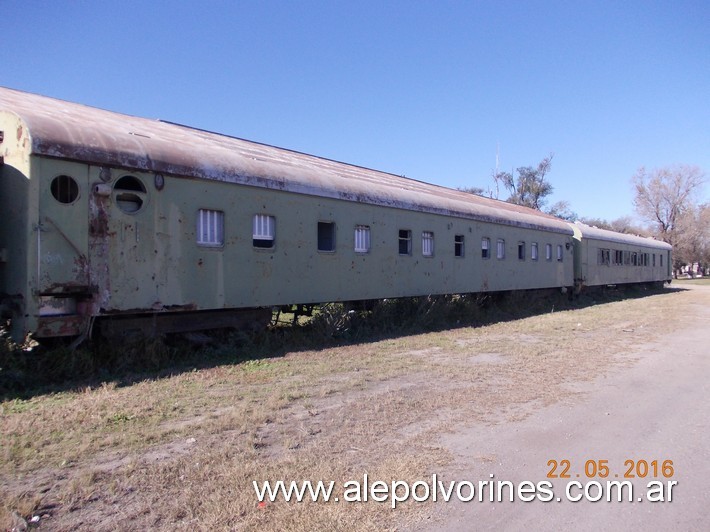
(113, 215)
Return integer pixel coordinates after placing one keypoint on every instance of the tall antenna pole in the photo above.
(497, 157)
(495, 178)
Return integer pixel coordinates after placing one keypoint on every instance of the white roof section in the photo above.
(588, 231)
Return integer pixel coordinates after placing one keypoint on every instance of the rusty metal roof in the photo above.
(588, 231)
(78, 132)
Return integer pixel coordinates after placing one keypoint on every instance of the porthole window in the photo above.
(64, 189)
(130, 194)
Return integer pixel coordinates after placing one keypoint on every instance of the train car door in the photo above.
(120, 242)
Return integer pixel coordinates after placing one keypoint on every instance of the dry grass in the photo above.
(693, 281)
(182, 451)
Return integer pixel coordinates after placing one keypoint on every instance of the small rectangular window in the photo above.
(263, 231)
(485, 248)
(326, 236)
(627, 258)
(521, 250)
(604, 257)
(500, 249)
(533, 251)
(661, 257)
(405, 242)
(634, 259)
(618, 257)
(362, 238)
(210, 228)
(458, 246)
(559, 252)
(653, 259)
(548, 251)
(427, 243)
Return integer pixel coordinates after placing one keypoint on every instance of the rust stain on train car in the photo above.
(53, 326)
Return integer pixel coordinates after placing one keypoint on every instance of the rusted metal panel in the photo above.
(172, 322)
(55, 326)
(72, 131)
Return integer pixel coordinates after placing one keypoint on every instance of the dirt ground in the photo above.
(618, 381)
(653, 406)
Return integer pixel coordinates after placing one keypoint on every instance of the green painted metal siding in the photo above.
(594, 274)
(154, 261)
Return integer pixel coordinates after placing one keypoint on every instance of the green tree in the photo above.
(529, 188)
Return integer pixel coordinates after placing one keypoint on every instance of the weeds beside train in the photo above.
(150, 224)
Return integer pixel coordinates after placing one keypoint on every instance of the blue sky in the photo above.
(423, 89)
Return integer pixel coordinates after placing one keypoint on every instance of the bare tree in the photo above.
(562, 209)
(692, 240)
(530, 187)
(478, 191)
(663, 194)
(623, 224)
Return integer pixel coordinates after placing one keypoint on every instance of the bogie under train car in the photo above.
(150, 224)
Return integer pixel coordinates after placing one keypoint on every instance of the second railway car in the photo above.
(607, 258)
(129, 220)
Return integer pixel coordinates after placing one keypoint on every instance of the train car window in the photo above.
(362, 238)
(210, 228)
(458, 246)
(485, 248)
(405, 242)
(618, 257)
(548, 251)
(661, 257)
(521, 250)
(129, 192)
(264, 229)
(604, 257)
(559, 253)
(326, 236)
(627, 258)
(427, 243)
(64, 189)
(500, 249)
(653, 259)
(533, 251)
(634, 258)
